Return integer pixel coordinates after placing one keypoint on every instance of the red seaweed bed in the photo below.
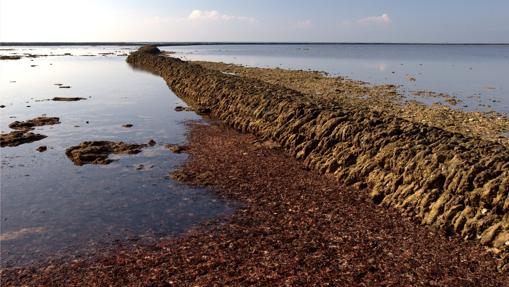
(295, 228)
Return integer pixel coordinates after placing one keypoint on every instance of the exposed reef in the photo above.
(97, 152)
(16, 138)
(387, 99)
(67, 99)
(445, 179)
(13, 57)
(22, 131)
(36, 122)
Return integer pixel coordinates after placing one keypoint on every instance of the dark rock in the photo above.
(149, 49)
(30, 124)
(42, 148)
(16, 138)
(97, 152)
(67, 99)
(14, 57)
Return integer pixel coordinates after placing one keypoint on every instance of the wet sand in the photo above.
(296, 228)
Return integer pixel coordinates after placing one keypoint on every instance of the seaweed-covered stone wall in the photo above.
(455, 183)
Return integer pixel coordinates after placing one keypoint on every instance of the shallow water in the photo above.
(50, 206)
(476, 74)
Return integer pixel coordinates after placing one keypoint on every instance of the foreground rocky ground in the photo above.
(295, 228)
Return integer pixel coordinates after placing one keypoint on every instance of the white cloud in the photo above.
(384, 19)
(216, 16)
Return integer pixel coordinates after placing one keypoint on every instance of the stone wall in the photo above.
(455, 183)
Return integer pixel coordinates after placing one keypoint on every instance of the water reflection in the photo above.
(459, 70)
(50, 206)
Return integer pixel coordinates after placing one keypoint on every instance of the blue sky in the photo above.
(255, 20)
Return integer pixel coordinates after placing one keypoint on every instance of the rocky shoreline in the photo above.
(452, 181)
(293, 227)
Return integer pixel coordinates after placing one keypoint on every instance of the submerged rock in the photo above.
(97, 152)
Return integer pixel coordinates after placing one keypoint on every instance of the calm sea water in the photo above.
(476, 74)
(50, 206)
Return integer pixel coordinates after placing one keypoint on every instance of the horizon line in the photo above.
(196, 43)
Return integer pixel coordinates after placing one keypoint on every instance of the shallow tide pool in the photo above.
(48, 205)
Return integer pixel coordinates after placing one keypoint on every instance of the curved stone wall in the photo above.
(455, 183)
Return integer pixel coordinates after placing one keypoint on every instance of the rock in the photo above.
(42, 148)
(143, 167)
(438, 176)
(30, 124)
(97, 152)
(16, 138)
(183, 109)
(175, 148)
(203, 111)
(14, 57)
(151, 142)
(149, 49)
(67, 99)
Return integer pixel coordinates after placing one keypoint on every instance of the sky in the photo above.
(417, 21)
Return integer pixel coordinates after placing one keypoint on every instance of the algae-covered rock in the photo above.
(97, 152)
(36, 122)
(454, 182)
(16, 138)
